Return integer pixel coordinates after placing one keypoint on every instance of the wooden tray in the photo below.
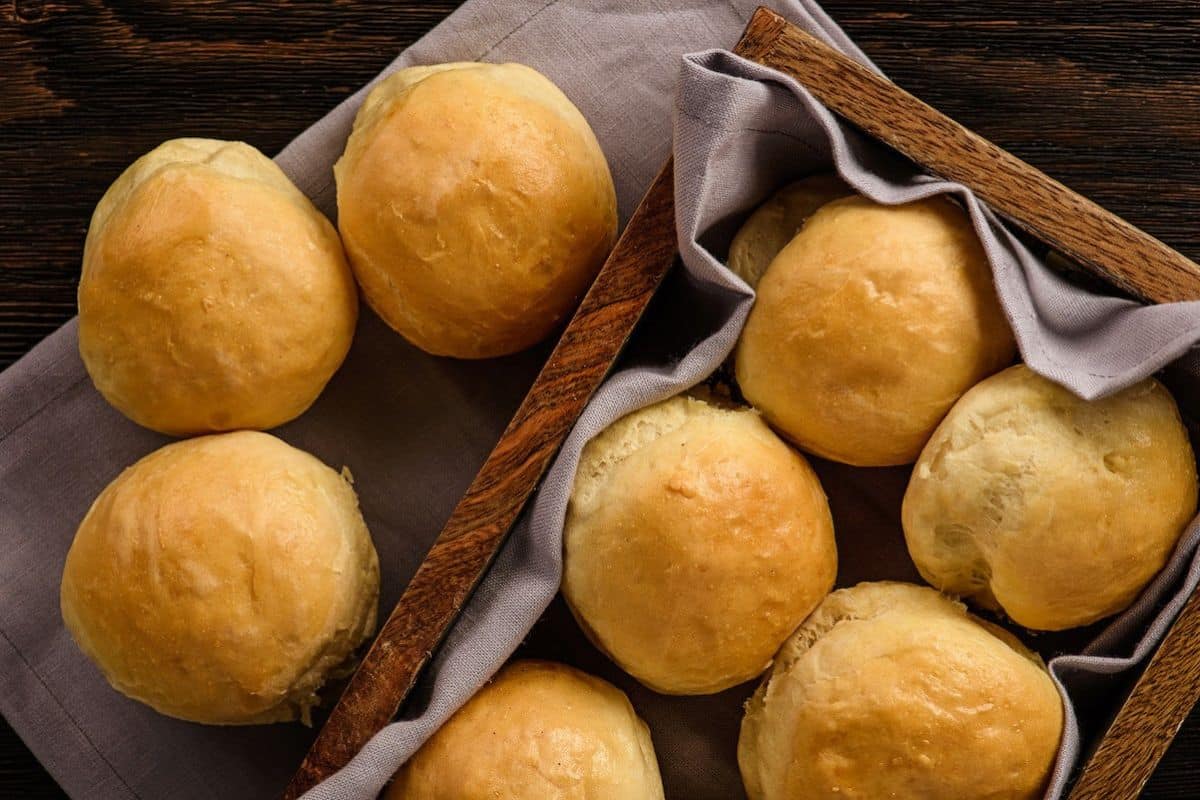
(1097, 240)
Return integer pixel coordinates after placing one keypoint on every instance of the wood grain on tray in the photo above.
(1092, 236)
(1150, 717)
(1097, 239)
(1060, 84)
(480, 523)
(1102, 97)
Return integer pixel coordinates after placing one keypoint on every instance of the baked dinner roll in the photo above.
(695, 542)
(1057, 510)
(776, 222)
(476, 206)
(538, 730)
(868, 326)
(214, 295)
(223, 579)
(892, 690)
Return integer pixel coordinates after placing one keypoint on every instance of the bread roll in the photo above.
(868, 326)
(695, 542)
(214, 296)
(538, 730)
(222, 580)
(1055, 509)
(892, 690)
(777, 221)
(476, 206)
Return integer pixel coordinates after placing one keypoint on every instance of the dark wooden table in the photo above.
(1102, 94)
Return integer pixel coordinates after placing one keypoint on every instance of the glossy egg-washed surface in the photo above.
(213, 295)
(537, 731)
(475, 205)
(223, 579)
(1057, 84)
(695, 542)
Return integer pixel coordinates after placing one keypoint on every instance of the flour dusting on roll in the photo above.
(1055, 509)
(893, 690)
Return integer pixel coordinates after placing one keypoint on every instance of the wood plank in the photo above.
(480, 523)
(1079, 228)
(1096, 239)
(1150, 717)
(1059, 84)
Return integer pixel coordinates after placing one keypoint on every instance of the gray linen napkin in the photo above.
(415, 428)
(735, 119)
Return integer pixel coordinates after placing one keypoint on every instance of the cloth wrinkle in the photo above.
(395, 415)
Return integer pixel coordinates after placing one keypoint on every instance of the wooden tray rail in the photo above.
(1096, 239)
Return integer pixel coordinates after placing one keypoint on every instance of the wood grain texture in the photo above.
(1100, 94)
(1092, 236)
(480, 523)
(86, 86)
(1097, 240)
(1150, 718)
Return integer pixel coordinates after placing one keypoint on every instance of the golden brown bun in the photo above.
(476, 206)
(223, 579)
(538, 731)
(892, 690)
(1055, 509)
(777, 221)
(214, 295)
(695, 542)
(868, 326)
